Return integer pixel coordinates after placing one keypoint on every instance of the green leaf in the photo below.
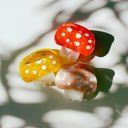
(104, 81)
(91, 95)
(103, 43)
(104, 78)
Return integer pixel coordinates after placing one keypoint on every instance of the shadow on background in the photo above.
(32, 113)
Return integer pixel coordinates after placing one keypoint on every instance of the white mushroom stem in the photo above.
(69, 54)
(73, 95)
(48, 79)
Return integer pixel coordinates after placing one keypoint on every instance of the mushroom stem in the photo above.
(73, 95)
(70, 55)
(47, 80)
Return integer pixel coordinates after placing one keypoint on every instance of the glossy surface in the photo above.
(69, 55)
(75, 37)
(39, 64)
(76, 78)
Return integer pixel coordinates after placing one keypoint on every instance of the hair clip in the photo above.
(68, 68)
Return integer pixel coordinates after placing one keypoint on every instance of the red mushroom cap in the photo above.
(75, 37)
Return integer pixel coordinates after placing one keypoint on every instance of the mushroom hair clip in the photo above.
(69, 69)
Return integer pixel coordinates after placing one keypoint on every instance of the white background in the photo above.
(28, 25)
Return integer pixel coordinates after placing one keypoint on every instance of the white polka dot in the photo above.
(44, 67)
(89, 41)
(91, 86)
(69, 29)
(86, 34)
(77, 43)
(38, 61)
(62, 34)
(51, 57)
(88, 47)
(78, 35)
(27, 71)
(68, 83)
(67, 40)
(53, 62)
(34, 72)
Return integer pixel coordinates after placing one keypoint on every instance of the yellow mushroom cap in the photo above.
(39, 64)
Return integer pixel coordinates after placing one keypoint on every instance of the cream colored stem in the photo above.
(69, 54)
(73, 95)
(47, 80)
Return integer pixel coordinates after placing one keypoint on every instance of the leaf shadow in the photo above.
(32, 113)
